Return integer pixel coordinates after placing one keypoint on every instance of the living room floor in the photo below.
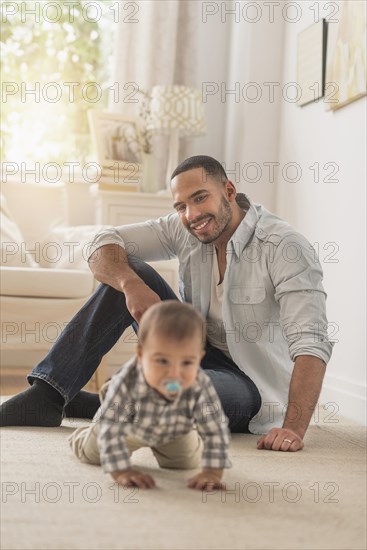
(313, 499)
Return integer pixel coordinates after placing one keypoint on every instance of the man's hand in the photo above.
(304, 391)
(133, 478)
(209, 478)
(109, 265)
(139, 297)
(280, 439)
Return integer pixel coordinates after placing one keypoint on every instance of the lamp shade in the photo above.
(176, 108)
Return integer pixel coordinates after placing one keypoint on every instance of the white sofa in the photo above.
(45, 278)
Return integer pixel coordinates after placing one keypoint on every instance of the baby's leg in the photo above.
(83, 441)
(84, 444)
(183, 453)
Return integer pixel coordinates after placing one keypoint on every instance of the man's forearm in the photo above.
(109, 265)
(304, 391)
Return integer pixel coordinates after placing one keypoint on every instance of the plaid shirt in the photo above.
(132, 408)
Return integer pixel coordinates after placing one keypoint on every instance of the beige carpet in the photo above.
(314, 499)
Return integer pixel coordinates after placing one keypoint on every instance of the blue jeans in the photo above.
(96, 328)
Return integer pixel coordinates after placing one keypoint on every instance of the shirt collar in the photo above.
(246, 228)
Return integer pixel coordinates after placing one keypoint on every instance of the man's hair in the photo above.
(211, 167)
(172, 319)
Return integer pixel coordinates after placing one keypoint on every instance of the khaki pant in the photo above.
(183, 452)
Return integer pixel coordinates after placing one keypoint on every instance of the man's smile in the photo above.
(200, 227)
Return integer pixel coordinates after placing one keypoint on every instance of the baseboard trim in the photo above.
(348, 398)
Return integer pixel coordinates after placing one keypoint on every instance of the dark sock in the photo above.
(83, 405)
(39, 405)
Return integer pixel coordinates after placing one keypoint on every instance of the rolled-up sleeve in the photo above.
(148, 241)
(297, 277)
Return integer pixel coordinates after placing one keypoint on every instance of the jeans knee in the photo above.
(152, 279)
(239, 413)
(144, 270)
(107, 292)
(243, 407)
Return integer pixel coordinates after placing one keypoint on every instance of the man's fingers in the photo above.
(279, 444)
(296, 446)
(280, 440)
(269, 441)
(292, 444)
(286, 444)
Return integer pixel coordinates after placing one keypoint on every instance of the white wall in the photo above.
(332, 215)
(234, 52)
(253, 126)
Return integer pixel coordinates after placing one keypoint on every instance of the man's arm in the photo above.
(304, 391)
(109, 265)
(302, 300)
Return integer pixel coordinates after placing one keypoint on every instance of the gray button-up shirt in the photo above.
(273, 301)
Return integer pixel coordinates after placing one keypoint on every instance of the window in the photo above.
(56, 63)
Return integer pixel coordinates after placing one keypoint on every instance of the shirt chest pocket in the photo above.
(251, 303)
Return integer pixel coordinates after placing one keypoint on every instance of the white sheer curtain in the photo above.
(170, 44)
(173, 42)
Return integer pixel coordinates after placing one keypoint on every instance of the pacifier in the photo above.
(172, 387)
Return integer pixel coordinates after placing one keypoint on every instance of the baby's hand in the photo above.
(207, 479)
(133, 478)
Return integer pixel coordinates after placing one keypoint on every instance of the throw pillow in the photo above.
(13, 245)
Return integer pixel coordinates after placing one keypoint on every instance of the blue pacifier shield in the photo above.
(172, 386)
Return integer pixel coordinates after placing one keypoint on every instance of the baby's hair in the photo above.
(172, 319)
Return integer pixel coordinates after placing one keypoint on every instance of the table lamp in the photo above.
(177, 111)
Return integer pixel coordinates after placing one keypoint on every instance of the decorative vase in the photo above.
(149, 180)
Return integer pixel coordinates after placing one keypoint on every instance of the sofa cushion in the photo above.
(46, 283)
(37, 209)
(13, 245)
(69, 247)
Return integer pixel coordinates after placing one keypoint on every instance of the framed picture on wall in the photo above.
(311, 60)
(117, 142)
(346, 59)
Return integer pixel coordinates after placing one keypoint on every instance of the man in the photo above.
(252, 276)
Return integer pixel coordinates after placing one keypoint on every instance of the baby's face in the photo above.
(170, 366)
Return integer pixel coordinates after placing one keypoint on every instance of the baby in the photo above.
(161, 399)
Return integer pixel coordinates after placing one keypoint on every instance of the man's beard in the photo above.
(222, 220)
